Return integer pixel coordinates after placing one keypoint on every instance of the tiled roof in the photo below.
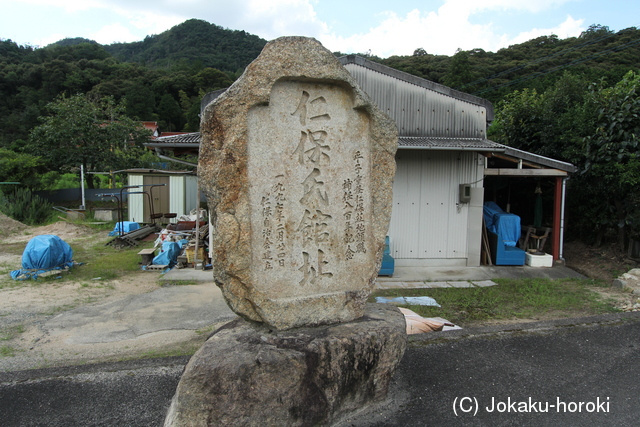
(177, 140)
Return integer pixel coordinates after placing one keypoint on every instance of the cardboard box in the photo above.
(545, 260)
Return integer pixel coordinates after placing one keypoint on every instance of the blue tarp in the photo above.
(505, 225)
(124, 227)
(169, 254)
(44, 253)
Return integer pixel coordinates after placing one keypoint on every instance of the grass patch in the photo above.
(511, 299)
(102, 263)
(13, 249)
(166, 283)
(7, 351)
(99, 262)
(11, 332)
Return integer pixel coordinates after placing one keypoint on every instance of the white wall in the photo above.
(136, 201)
(429, 227)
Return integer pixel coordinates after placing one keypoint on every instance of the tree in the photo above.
(170, 113)
(612, 155)
(89, 131)
(459, 73)
(140, 101)
(19, 167)
(419, 52)
(551, 124)
(211, 79)
(596, 31)
(598, 130)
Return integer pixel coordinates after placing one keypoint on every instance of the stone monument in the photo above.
(297, 164)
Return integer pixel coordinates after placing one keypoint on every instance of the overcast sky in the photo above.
(382, 28)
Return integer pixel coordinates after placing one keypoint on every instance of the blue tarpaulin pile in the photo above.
(169, 254)
(505, 225)
(124, 227)
(42, 254)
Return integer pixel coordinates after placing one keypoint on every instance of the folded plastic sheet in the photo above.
(42, 254)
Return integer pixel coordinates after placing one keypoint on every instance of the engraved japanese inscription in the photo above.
(309, 169)
(297, 164)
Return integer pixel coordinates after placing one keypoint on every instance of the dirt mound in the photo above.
(64, 230)
(9, 226)
(605, 262)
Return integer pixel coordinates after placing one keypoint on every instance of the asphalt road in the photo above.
(581, 371)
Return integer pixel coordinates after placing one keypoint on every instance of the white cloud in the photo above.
(67, 5)
(113, 33)
(447, 29)
(569, 28)
(439, 32)
(265, 18)
(275, 18)
(465, 24)
(474, 6)
(52, 38)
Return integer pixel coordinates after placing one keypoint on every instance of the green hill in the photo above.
(193, 41)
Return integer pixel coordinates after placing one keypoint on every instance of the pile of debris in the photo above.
(129, 234)
(193, 241)
(182, 244)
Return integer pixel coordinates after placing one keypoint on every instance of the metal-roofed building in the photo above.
(442, 147)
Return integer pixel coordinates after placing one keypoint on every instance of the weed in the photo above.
(179, 283)
(207, 330)
(11, 332)
(55, 310)
(7, 351)
(104, 263)
(511, 299)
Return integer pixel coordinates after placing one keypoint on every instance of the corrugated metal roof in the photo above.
(419, 109)
(415, 80)
(429, 116)
(546, 161)
(449, 144)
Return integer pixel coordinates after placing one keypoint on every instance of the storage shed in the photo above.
(444, 162)
(170, 192)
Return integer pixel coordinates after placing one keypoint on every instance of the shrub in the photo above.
(26, 207)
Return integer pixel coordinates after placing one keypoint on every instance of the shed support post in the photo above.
(558, 205)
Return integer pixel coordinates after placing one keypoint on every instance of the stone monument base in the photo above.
(250, 375)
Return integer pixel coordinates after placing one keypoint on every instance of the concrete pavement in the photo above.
(468, 373)
(439, 277)
(420, 276)
(571, 359)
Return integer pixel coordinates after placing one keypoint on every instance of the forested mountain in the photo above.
(161, 78)
(575, 99)
(193, 41)
(538, 63)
